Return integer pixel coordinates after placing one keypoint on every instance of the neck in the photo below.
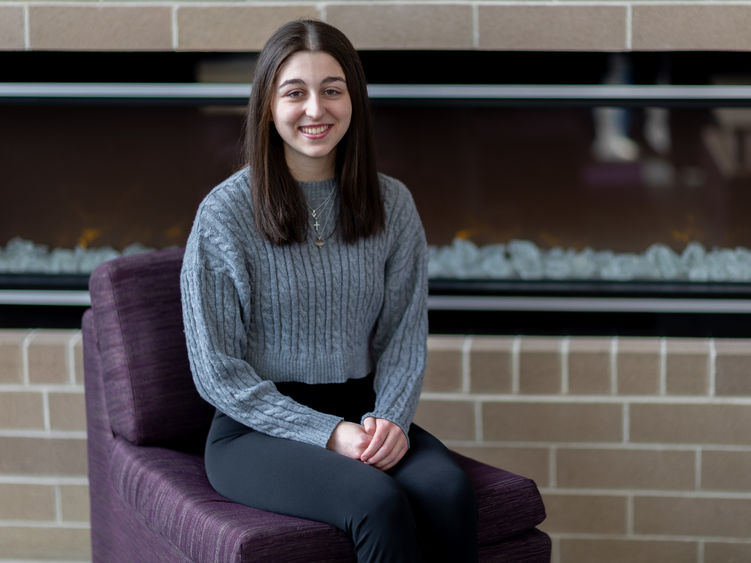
(312, 169)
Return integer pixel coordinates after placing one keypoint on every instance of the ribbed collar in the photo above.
(317, 192)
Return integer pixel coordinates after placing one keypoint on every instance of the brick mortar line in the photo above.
(663, 368)
(629, 27)
(614, 366)
(475, 26)
(516, 345)
(48, 524)
(72, 389)
(553, 466)
(679, 400)
(46, 560)
(630, 515)
(45, 434)
(555, 556)
(699, 461)
(25, 357)
(174, 26)
(43, 480)
(712, 375)
(26, 32)
(46, 411)
(323, 6)
(647, 493)
(58, 504)
(479, 426)
(565, 348)
(100, 4)
(642, 446)
(466, 364)
(646, 537)
(75, 339)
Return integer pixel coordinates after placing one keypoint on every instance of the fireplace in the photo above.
(563, 193)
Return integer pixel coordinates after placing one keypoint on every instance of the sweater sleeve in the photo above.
(400, 338)
(216, 297)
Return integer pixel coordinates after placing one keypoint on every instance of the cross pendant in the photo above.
(316, 225)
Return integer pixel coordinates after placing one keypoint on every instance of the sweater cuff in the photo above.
(320, 436)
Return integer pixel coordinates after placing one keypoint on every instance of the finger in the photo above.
(381, 455)
(390, 443)
(370, 425)
(395, 450)
(395, 457)
(376, 443)
(379, 437)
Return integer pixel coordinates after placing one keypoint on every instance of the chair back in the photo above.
(149, 391)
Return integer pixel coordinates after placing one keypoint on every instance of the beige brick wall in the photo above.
(162, 25)
(44, 506)
(641, 447)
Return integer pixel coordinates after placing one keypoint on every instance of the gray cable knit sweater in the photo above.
(257, 313)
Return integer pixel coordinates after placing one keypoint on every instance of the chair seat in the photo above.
(171, 493)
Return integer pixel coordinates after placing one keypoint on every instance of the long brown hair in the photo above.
(278, 202)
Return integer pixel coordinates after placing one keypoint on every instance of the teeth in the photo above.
(314, 130)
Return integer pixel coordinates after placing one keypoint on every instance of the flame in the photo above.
(88, 236)
(687, 234)
(465, 234)
(550, 240)
(175, 232)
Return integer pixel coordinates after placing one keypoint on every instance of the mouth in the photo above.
(315, 131)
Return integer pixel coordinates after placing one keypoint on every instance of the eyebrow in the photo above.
(327, 80)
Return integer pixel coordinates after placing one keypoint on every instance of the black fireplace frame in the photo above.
(456, 306)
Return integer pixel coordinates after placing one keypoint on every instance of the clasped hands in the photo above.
(377, 442)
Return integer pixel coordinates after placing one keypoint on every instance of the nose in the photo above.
(314, 106)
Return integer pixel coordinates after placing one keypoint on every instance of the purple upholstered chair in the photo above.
(150, 499)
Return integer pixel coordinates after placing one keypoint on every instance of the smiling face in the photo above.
(312, 111)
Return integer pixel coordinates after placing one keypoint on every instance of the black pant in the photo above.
(423, 509)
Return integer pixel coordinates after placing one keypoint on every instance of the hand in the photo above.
(388, 444)
(349, 439)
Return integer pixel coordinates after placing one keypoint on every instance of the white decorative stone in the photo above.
(22, 256)
(522, 259)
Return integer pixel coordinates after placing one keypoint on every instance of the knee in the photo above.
(387, 498)
(383, 504)
(453, 492)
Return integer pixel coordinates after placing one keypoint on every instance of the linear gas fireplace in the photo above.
(561, 193)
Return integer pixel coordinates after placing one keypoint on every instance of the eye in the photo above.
(331, 92)
(294, 94)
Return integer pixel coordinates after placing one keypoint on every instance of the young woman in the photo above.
(304, 298)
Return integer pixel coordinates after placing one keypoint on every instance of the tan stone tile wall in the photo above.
(568, 25)
(44, 503)
(640, 447)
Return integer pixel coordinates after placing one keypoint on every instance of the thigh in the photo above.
(289, 477)
(438, 488)
(442, 499)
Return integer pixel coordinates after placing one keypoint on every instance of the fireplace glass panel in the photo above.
(584, 184)
(593, 193)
